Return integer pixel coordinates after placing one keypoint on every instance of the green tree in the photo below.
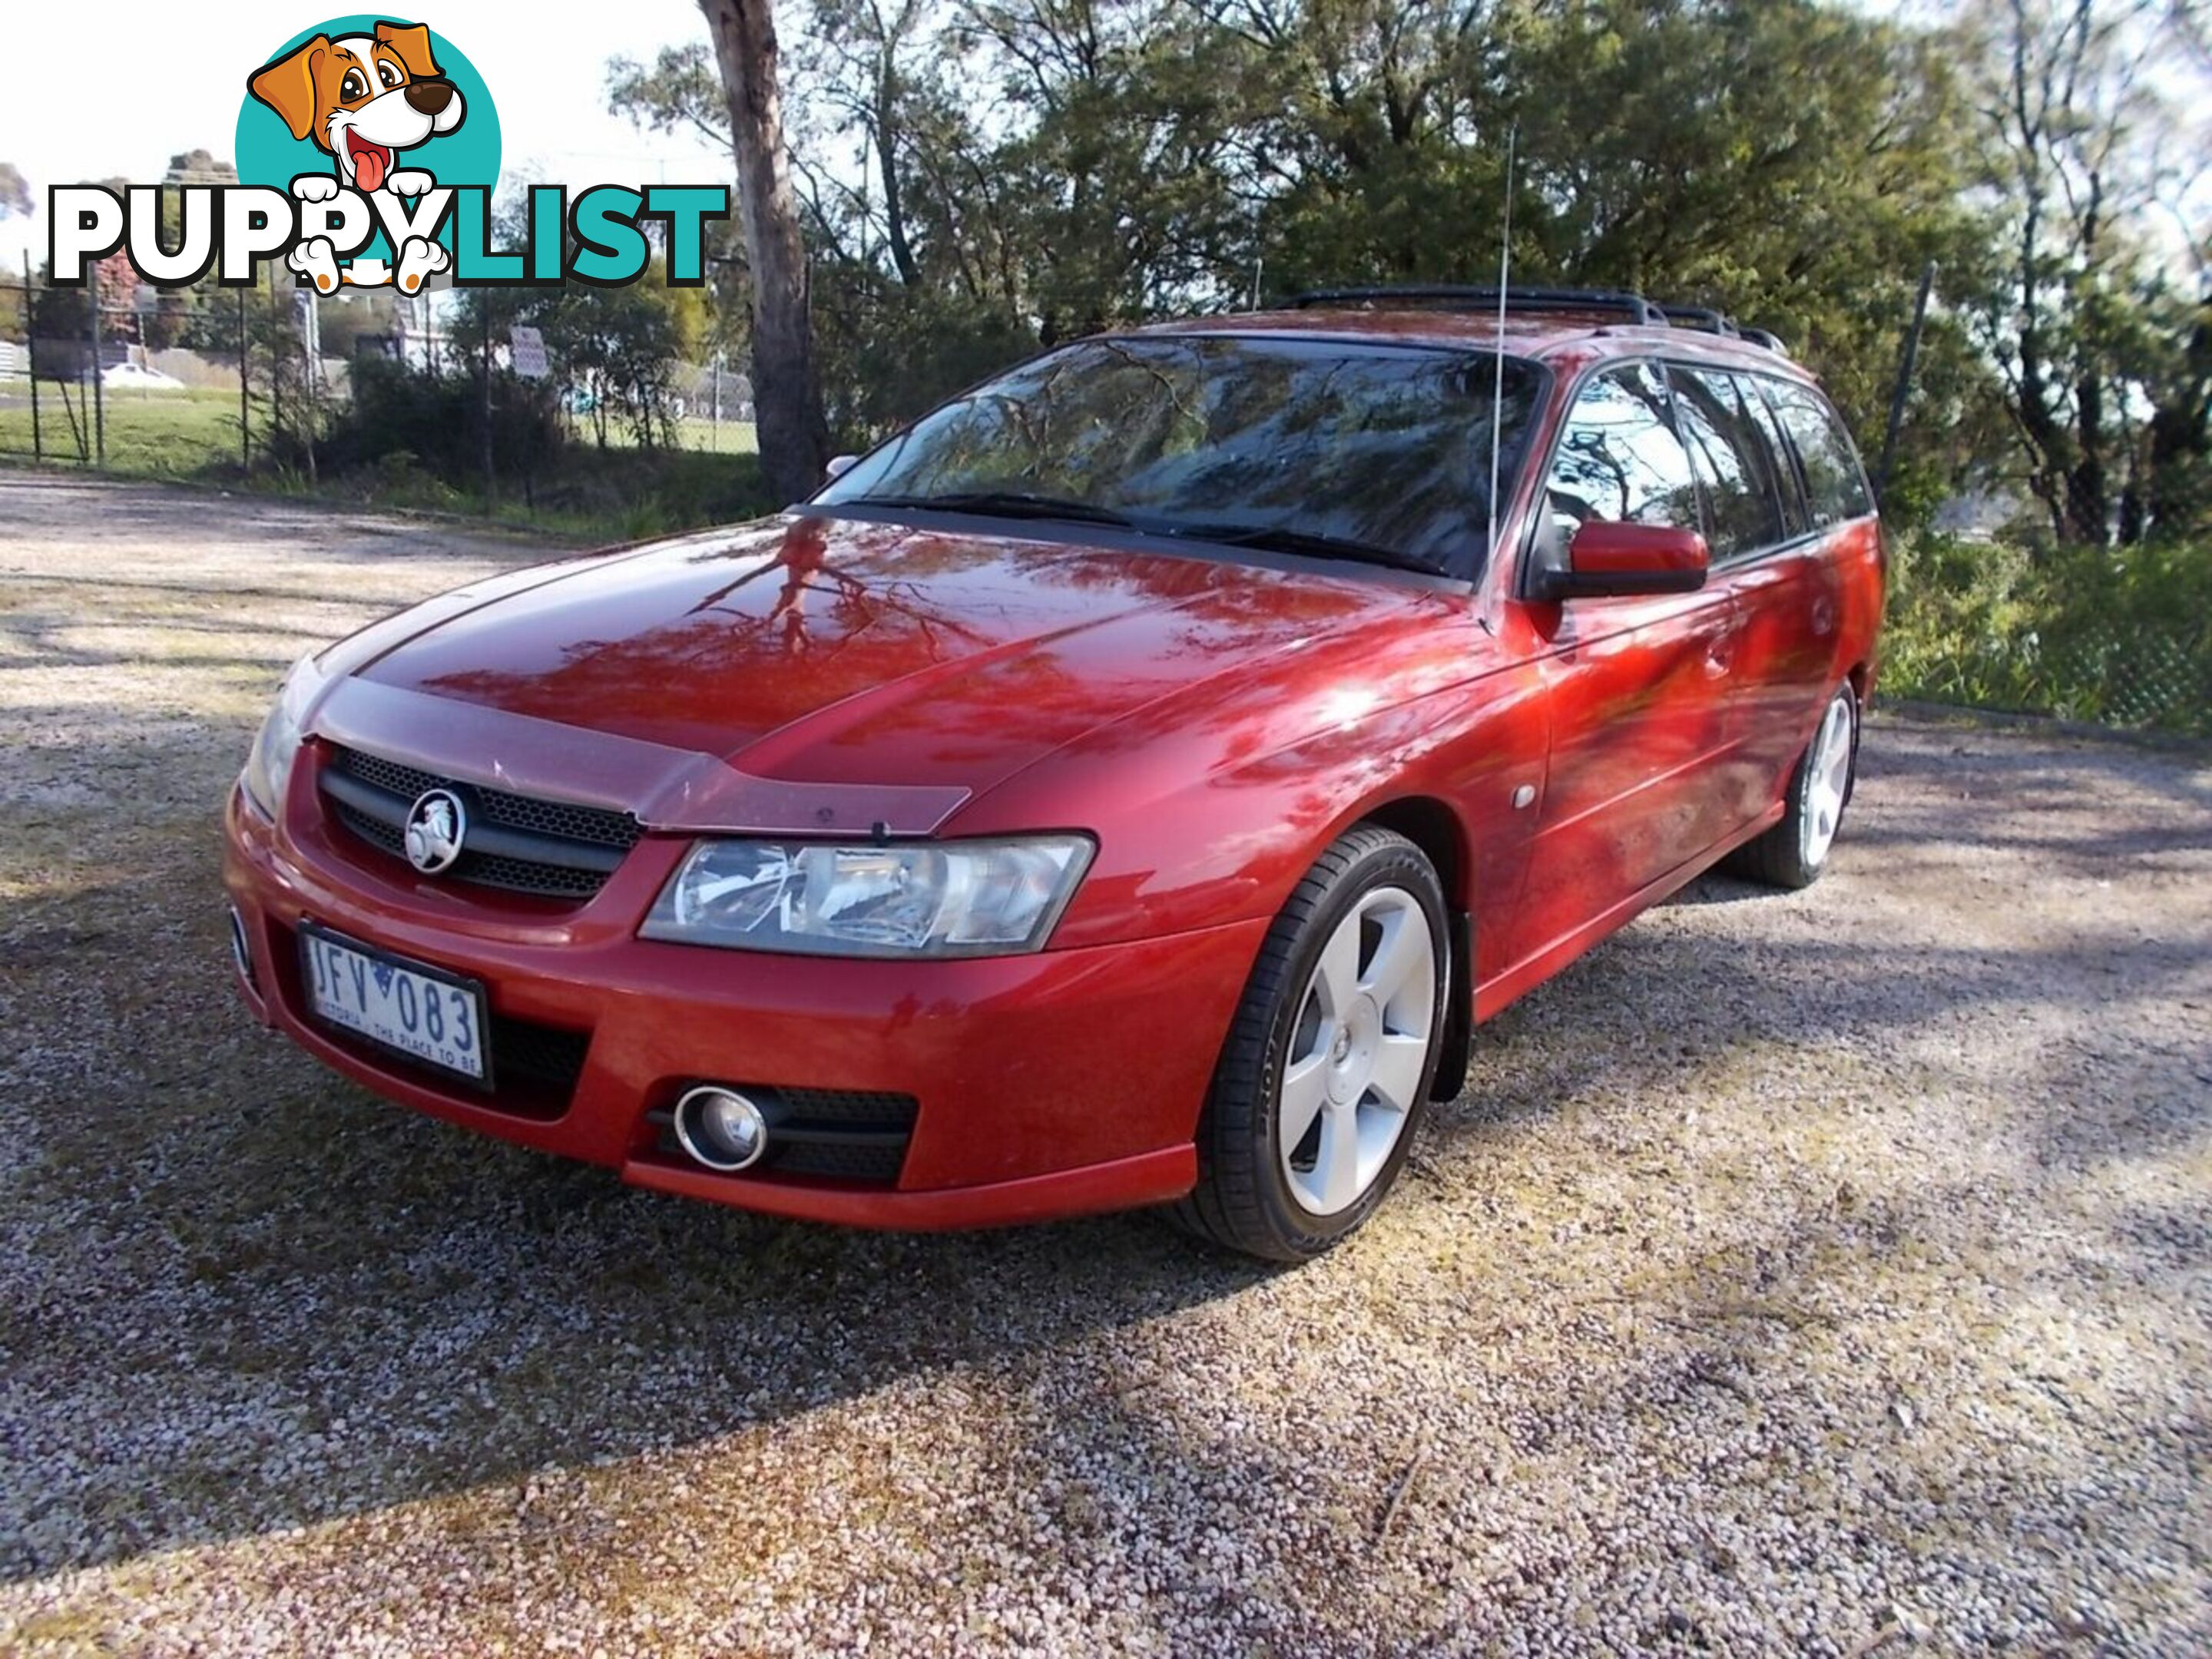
(2103, 336)
(979, 176)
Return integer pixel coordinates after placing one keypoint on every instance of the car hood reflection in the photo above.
(837, 650)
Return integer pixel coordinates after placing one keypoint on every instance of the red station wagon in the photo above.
(1128, 785)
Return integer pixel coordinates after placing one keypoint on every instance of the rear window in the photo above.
(1743, 494)
(1795, 517)
(1835, 486)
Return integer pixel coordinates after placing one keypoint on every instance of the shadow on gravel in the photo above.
(241, 1294)
(2069, 789)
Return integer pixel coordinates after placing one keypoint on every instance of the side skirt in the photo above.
(1501, 990)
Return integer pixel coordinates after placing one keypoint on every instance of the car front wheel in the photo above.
(1326, 1072)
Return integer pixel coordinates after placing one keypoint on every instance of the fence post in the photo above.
(31, 336)
(311, 352)
(99, 380)
(483, 316)
(245, 412)
(276, 370)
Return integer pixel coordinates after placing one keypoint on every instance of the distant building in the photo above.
(417, 338)
(1978, 513)
(197, 166)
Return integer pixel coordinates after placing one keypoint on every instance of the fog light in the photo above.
(720, 1128)
(241, 954)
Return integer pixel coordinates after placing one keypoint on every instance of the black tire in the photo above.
(1242, 1201)
(1779, 858)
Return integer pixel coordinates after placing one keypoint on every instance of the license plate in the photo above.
(417, 1010)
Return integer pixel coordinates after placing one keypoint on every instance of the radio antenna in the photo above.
(1497, 392)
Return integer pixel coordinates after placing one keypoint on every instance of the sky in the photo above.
(122, 85)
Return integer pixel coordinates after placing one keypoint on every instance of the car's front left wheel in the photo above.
(1326, 1072)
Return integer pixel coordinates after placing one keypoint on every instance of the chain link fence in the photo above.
(135, 381)
(711, 408)
(2006, 618)
(2138, 680)
(145, 387)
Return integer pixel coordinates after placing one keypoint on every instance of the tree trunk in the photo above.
(794, 441)
(2087, 506)
(909, 268)
(2181, 437)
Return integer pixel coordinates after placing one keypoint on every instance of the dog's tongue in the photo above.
(369, 168)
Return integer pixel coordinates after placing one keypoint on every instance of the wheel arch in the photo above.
(1432, 825)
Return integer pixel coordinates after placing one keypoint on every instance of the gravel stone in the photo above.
(1820, 1273)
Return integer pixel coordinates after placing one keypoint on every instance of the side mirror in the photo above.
(1606, 558)
(838, 467)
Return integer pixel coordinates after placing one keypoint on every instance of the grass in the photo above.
(173, 434)
(694, 434)
(591, 494)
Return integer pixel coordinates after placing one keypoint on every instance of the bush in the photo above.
(888, 355)
(2117, 636)
(437, 421)
(413, 439)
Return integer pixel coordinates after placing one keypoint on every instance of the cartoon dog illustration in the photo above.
(362, 99)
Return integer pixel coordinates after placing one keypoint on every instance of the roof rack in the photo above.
(1704, 319)
(1634, 306)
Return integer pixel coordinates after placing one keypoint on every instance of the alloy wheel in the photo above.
(1353, 1071)
(1827, 777)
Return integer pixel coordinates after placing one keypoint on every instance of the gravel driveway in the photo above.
(1827, 1272)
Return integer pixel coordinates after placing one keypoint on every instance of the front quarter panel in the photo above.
(1210, 805)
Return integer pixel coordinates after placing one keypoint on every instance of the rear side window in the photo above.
(1743, 497)
(1835, 487)
(1619, 458)
(1795, 519)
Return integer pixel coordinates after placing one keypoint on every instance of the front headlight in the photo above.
(269, 767)
(952, 898)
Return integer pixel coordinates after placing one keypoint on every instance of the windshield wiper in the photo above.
(1281, 539)
(999, 504)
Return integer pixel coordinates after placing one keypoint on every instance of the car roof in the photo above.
(1565, 339)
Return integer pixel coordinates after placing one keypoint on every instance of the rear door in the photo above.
(1797, 602)
(1768, 557)
(1637, 688)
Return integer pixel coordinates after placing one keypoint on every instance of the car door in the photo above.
(1767, 555)
(1821, 590)
(1637, 687)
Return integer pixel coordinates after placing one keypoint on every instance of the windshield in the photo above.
(1326, 447)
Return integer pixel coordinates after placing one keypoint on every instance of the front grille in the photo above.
(374, 831)
(836, 1134)
(552, 849)
(560, 819)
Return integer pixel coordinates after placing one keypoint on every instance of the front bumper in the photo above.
(1050, 1084)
